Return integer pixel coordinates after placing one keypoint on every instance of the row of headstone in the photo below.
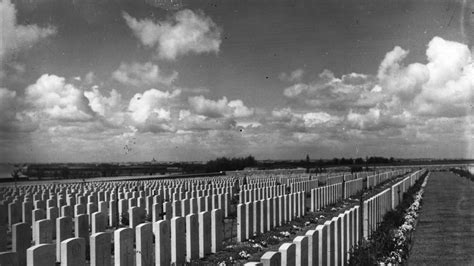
(376, 179)
(44, 229)
(323, 196)
(127, 187)
(334, 180)
(290, 180)
(267, 182)
(328, 244)
(18, 210)
(194, 193)
(261, 193)
(201, 233)
(353, 187)
(375, 207)
(398, 189)
(257, 217)
(196, 205)
(305, 186)
(259, 179)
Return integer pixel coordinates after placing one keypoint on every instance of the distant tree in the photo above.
(307, 163)
(15, 175)
(356, 169)
(40, 173)
(345, 161)
(226, 164)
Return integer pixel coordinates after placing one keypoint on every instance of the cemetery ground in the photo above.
(213, 193)
(235, 253)
(445, 231)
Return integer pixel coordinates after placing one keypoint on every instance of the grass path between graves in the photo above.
(445, 231)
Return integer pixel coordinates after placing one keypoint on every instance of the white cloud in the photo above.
(399, 95)
(446, 60)
(294, 76)
(314, 119)
(151, 110)
(401, 109)
(108, 109)
(286, 118)
(329, 92)
(185, 32)
(450, 89)
(239, 109)
(16, 37)
(101, 104)
(52, 96)
(442, 87)
(219, 108)
(190, 121)
(295, 90)
(137, 74)
(363, 121)
(396, 79)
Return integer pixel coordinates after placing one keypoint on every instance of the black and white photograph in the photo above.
(236, 132)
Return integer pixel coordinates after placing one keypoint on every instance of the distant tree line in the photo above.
(230, 164)
(359, 161)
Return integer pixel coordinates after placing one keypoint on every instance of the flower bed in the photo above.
(402, 236)
(390, 244)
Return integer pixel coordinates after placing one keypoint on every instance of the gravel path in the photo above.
(445, 231)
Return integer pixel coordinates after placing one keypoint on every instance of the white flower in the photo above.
(243, 254)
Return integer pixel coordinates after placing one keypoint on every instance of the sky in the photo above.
(133, 80)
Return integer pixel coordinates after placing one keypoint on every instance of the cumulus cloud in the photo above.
(137, 74)
(108, 109)
(295, 90)
(401, 106)
(219, 108)
(56, 99)
(190, 121)
(396, 79)
(399, 94)
(185, 32)
(314, 119)
(294, 76)
(443, 86)
(54, 102)
(329, 92)
(16, 37)
(151, 110)
(286, 118)
(450, 90)
(101, 104)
